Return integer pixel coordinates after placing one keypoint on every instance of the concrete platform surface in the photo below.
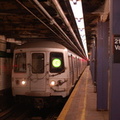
(82, 102)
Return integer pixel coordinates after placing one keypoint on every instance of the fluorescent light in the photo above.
(77, 9)
(80, 22)
(76, 6)
(74, 1)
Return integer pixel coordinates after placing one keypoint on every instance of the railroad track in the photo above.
(16, 112)
(27, 112)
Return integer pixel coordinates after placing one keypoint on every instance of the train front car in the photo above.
(41, 70)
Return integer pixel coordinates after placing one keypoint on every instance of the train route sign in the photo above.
(116, 46)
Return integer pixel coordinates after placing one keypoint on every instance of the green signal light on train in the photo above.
(56, 62)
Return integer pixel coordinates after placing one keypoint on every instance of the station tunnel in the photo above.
(63, 38)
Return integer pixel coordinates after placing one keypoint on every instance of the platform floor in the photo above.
(82, 102)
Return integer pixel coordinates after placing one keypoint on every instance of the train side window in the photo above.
(38, 63)
(56, 62)
(20, 62)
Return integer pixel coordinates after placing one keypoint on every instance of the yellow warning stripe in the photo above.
(68, 103)
(85, 100)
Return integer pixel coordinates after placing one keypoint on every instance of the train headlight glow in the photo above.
(56, 62)
(23, 82)
(52, 83)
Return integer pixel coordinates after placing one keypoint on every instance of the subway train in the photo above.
(44, 69)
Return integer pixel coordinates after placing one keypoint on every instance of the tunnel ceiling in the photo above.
(32, 20)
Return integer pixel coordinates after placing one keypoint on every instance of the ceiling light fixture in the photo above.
(76, 6)
(75, 1)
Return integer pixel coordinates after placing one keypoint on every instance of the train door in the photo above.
(38, 71)
(71, 69)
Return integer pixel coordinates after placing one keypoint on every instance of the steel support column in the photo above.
(102, 66)
(92, 63)
(115, 60)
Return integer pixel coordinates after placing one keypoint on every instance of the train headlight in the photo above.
(52, 83)
(20, 82)
(23, 82)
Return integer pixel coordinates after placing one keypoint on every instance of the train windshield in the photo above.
(38, 63)
(20, 62)
(56, 62)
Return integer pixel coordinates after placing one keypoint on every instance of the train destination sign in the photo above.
(56, 62)
(116, 49)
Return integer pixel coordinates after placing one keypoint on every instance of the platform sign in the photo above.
(116, 49)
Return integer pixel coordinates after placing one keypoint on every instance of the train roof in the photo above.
(41, 44)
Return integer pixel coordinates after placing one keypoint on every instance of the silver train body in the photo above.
(44, 69)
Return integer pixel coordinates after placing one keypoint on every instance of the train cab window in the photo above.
(56, 62)
(38, 63)
(20, 62)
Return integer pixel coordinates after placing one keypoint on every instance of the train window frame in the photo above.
(42, 70)
(59, 56)
(23, 68)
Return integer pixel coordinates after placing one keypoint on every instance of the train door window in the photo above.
(38, 63)
(56, 62)
(20, 62)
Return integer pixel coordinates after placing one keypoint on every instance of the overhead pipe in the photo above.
(54, 22)
(35, 16)
(40, 20)
(45, 24)
(61, 13)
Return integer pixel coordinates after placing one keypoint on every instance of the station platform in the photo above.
(81, 104)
